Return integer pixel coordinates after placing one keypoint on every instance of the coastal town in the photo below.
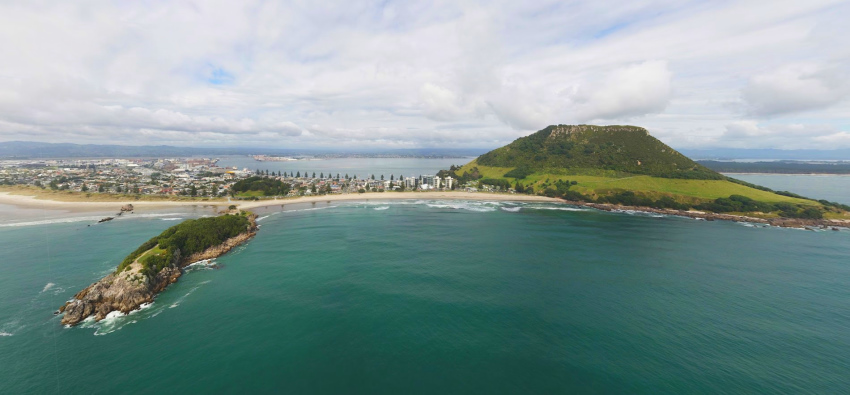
(200, 177)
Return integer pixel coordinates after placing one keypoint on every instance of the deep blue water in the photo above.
(442, 297)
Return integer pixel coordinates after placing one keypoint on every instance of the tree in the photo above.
(118, 189)
(321, 175)
(346, 176)
(215, 189)
(391, 177)
(192, 190)
(100, 188)
(337, 176)
(298, 174)
(313, 188)
(258, 171)
(314, 174)
(373, 176)
(84, 188)
(382, 177)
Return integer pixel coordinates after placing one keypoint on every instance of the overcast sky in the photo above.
(745, 74)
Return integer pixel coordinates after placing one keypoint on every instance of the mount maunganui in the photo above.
(628, 149)
(625, 165)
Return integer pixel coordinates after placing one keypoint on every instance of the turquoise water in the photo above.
(441, 297)
(834, 188)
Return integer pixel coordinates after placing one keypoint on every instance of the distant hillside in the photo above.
(31, 149)
(778, 167)
(627, 149)
(773, 154)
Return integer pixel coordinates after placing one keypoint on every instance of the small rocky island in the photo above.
(149, 269)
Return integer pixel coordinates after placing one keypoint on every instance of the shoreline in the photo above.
(24, 200)
(781, 222)
(789, 174)
(31, 201)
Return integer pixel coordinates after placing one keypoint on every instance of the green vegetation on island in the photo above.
(625, 165)
(183, 240)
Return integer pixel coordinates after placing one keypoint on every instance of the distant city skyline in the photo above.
(386, 75)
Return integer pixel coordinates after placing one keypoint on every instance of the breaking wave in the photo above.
(86, 219)
(205, 264)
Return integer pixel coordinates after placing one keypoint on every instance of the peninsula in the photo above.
(607, 167)
(157, 263)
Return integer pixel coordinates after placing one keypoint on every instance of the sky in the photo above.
(413, 74)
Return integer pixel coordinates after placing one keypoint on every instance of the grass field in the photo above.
(153, 251)
(601, 182)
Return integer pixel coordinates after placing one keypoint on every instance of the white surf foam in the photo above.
(481, 207)
(52, 221)
(84, 219)
(511, 209)
(6, 334)
(182, 298)
(308, 209)
(557, 208)
(262, 218)
(202, 265)
(47, 287)
(382, 208)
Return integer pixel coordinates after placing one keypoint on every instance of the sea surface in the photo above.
(361, 167)
(446, 297)
(834, 188)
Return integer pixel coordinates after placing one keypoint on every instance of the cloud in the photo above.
(796, 88)
(751, 134)
(441, 104)
(416, 73)
(627, 92)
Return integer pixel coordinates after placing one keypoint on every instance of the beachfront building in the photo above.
(410, 182)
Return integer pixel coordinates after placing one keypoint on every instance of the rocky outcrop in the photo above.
(779, 222)
(124, 291)
(127, 207)
(128, 289)
(218, 250)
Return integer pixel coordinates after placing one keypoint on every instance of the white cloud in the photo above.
(796, 88)
(627, 92)
(418, 73)
(751, 134)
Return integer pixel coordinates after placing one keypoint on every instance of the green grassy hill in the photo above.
(627, 149)
(625, 165)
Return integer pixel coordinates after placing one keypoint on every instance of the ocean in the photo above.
(835, 188)
(361, 167)
(428, 296)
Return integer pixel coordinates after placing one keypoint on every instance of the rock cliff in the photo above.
(126, 290)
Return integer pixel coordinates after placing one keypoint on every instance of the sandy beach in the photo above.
(23, 200)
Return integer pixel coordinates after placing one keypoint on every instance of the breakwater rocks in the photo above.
(780, 222)
(126, 290)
